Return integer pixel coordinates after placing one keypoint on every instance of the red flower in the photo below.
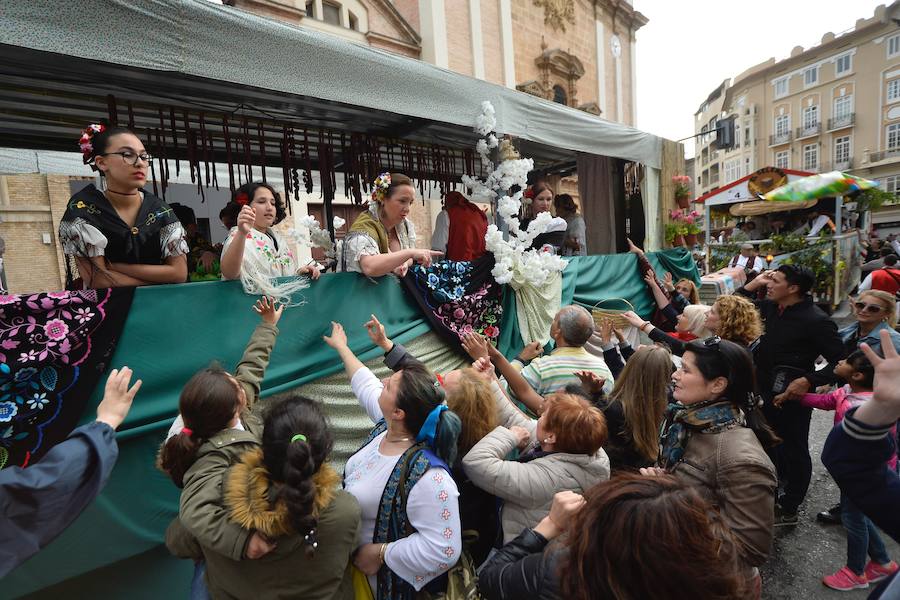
(491, 331)
(242, 199)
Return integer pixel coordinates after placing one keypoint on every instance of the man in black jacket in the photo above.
(797, 332)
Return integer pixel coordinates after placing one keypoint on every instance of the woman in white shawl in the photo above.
(255, 253)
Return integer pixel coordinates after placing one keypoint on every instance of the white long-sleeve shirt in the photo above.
(432, 505)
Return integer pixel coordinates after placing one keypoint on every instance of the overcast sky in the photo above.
(690, 46)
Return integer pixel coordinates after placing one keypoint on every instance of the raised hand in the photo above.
(633, 319)
(338, 337)
(426, 257)
(117, 397)
(531, 351)
(522, 436)
(269, 310)
(475, 346)
(884, 407)
(246, 219)
(484, 369)
(590, 381)
(376, 333)
(606, 330)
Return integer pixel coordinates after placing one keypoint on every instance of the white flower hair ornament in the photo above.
(380, 186)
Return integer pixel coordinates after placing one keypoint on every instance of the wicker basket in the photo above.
(600, 312)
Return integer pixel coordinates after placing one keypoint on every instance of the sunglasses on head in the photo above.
(712, 342)
(873, 309)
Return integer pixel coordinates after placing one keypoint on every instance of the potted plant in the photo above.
(682, 191)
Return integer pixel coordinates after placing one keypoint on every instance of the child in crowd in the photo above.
(215, 425)
(862, 535)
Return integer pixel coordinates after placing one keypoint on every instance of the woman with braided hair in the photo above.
(286, 492)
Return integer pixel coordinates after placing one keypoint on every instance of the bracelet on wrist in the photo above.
(381, 553)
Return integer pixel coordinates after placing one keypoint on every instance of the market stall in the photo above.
(799, 218)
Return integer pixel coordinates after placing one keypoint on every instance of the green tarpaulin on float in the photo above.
(115, 548)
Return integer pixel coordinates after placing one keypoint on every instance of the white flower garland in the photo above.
(515, 261)
(311, 234)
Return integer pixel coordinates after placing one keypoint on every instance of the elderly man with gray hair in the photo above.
(572, 327)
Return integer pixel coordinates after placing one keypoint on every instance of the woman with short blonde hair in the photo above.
(874, 310)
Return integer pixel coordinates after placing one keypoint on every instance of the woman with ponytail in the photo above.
(121, 235)
(287, 493)
(714, 438)
(214, 427)
(410, 531)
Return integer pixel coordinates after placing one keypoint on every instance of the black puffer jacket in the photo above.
(523, 568)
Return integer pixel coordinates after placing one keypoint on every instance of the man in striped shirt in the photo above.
(572, 327)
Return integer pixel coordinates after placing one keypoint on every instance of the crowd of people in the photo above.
(598, 470)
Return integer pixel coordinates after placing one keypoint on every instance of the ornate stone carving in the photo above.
(557, 12)
(534, 88)
(591, 107)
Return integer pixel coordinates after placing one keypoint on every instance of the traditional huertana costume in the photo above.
(268, 255)
(369, 237)
(91, 227)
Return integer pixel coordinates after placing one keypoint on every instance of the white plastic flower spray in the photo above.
(515, 261)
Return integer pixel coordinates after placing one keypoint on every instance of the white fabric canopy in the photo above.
(196, 38)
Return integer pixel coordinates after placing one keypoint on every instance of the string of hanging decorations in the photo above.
(202, 138)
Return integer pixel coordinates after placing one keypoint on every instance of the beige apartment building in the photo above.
(834, 106)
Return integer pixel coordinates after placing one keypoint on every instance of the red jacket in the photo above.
(887, 280)
(468, 226)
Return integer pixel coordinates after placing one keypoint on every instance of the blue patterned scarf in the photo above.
(683, 421)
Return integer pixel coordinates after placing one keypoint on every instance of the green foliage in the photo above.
(816, 258)
(720, 256)
(873, 198)
(783, 243)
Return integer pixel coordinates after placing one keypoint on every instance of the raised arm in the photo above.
(252, 368)
(233, 254)
(376, 265)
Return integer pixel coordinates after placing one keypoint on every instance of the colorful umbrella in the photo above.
(824, 185)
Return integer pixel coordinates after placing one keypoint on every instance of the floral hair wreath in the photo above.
(380, 186)
(86, 144)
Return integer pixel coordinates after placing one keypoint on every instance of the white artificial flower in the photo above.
(338, 222)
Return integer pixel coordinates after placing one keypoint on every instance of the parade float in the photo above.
(312, 113)
(783, 199)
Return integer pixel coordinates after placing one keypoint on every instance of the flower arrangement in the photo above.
(504, 188)
(682, 189)
(686, 221)
(85, 142)
(380, 186)
(311, 234)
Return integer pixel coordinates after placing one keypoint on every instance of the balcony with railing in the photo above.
(809, 131)
(777, 139)
(714, 178)
(837, 165)
(842, 121)
(881, 155)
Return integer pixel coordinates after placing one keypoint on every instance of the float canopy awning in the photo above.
(59, 61)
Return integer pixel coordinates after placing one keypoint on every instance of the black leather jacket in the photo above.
(523, 568)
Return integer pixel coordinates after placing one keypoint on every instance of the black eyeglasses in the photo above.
(131, 158)
(872, 309)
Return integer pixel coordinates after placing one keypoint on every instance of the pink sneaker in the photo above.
(845, 579)
(875, 572)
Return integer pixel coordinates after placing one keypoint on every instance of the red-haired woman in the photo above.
(560, 451)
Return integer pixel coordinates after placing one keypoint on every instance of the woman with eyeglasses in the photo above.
(122, 235)
(875, 310)
(713, 439)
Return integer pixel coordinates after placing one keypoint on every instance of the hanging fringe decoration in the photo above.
(204, 147)
(307, 164)
(248, 160)
(175, 141)
(112, 110)
(227, 133)
(261, 132)
(152, 166)
(130, 116)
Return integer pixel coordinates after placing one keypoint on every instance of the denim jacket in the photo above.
(873, 339)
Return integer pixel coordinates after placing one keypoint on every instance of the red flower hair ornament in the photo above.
(86, 145)
(242, 199)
